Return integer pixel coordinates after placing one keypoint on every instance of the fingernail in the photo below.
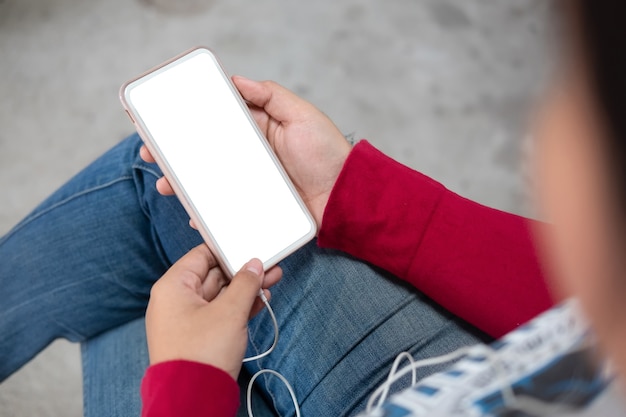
(255, 266)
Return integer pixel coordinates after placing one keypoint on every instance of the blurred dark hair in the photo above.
(602, 27)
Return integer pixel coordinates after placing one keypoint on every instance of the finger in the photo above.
(276, 100)
(216, 281)
(164, 187)
(145, 154)
(195, 264)
(272, 276)
(244, 287)
(260, 116)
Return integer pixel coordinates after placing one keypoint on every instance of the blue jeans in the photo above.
(81, 266)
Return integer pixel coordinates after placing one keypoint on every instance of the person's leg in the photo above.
(84, 260)
(342, 324)
(113, 365)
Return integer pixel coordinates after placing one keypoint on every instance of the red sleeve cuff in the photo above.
(379, 209)
(188, 389)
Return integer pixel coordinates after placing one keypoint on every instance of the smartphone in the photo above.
(201, 134)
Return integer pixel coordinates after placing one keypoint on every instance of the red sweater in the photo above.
(477, 262)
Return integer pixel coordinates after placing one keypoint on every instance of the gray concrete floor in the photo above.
(442, 86)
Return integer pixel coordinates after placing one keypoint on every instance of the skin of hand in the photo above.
(195, 313)
(308, 144)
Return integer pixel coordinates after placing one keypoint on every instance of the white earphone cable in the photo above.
(282, 378)
(273, 317)
(382, 391)
(379, 396)
(268, 371)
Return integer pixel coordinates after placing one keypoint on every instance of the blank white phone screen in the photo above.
(216, 154)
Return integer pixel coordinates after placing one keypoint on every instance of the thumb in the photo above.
(245, 286)
(276, 100)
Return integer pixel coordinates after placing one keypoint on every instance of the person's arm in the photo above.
(188, 389)
(477, 262)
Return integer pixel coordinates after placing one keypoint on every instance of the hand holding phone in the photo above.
(211, 308)
(308, 144)
(198, 128)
